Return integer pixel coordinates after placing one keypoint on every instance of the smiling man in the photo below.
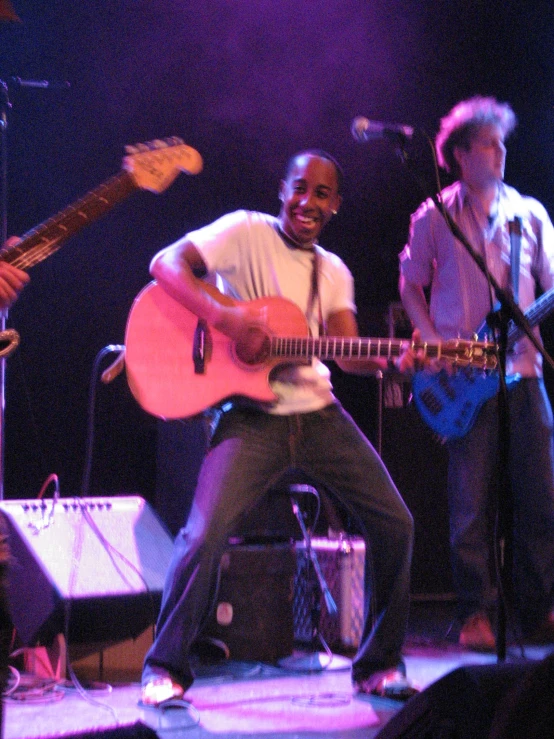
(470, 145)
(263, 257)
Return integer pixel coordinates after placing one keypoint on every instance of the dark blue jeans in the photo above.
(250, 452)
(472, 468)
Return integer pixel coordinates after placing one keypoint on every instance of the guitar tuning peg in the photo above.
(142, 147)
(131, 149)
(174, 141)
(158, 144)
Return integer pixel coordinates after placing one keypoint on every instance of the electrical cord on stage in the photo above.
(30, 688)
(109, 374)
(113, 553)
(323, 700)
(85, 484)
(85, 693)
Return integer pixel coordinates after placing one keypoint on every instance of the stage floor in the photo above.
(246, 699)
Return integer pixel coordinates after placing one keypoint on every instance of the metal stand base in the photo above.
(315, 662)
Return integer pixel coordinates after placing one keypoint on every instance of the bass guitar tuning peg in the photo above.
(158, 144)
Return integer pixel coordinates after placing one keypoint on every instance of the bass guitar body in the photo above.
(450, 403)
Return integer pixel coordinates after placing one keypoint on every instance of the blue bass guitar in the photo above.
(449, 404)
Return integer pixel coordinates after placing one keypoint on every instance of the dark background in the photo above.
(246, 84)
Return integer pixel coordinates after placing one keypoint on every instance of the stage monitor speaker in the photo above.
(468, 702)
(90, 568)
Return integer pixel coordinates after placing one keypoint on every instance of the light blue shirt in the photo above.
(460, 298)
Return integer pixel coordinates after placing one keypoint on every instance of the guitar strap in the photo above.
(314, 294)
(515, 249)
(314, 281)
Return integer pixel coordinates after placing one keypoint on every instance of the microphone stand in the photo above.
(4, 107)
(498, 320)
(316, 661)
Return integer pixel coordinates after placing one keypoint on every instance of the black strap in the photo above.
(314, 295)
(314, 283)
(515, 249)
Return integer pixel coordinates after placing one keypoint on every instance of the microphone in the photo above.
(41, 84)
(364, 130)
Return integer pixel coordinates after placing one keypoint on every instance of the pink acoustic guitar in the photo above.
(177, 366)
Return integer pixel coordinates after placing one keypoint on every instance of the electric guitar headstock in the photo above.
(154, 165)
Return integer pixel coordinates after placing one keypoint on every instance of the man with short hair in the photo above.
(261, 256)
(471, 146)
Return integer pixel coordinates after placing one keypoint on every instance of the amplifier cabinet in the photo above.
(342, 564)
(253, 613)
(92, 568)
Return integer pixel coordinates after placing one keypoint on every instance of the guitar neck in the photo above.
(535, 314)
(344, 347)
(45, 239)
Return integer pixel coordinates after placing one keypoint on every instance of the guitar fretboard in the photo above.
(535, 314)
(332, 347)
(46, 238)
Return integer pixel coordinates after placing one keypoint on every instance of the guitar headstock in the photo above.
(155, 164)
(464, 353)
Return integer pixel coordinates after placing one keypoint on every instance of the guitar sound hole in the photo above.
(254, 348)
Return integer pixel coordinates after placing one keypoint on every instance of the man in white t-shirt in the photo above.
(261, 256)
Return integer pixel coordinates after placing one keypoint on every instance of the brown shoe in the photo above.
(477, 634)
